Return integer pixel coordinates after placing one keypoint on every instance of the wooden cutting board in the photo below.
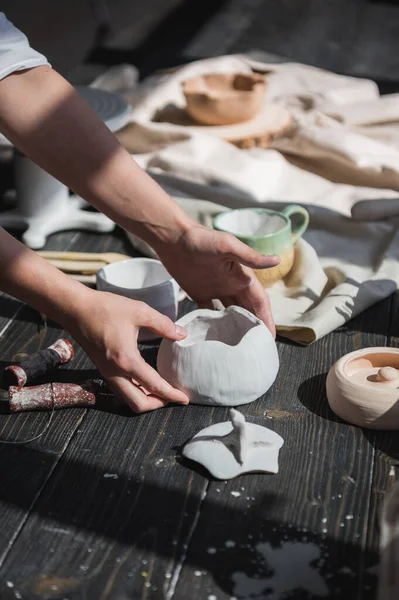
(273, 121)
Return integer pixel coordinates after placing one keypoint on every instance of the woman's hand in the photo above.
(213, 265)
(107, 326)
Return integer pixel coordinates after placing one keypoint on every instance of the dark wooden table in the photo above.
(100, 507)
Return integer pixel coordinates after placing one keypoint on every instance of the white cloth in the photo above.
(15, 51)
(343, 149)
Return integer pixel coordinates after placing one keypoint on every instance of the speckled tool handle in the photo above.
(53, 396)
(40, 363)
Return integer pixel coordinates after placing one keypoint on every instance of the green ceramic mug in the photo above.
(269, 232)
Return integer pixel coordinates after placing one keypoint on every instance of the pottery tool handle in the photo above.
(88, 267)
(40, 363)
(54, 396)
(53, 255)
(107, 257)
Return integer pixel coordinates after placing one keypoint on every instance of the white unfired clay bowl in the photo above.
(363, 388)
(228, 358)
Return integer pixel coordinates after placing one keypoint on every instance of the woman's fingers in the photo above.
(147, 381)
(234, 249)
(153, 383)
(133, 396)
(160, 324)
(255, 299)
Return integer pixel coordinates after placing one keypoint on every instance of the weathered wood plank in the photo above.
(25, 468)
(126, 534)
(313, 514)
(117, 513)
(116, 501)
(386, 446)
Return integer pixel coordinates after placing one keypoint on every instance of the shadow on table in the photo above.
(312, 395)
(246, 550)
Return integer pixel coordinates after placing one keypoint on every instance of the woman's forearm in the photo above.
(44, 116)
(33, 280)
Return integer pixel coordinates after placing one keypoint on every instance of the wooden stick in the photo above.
(71, 266)
(107, 257)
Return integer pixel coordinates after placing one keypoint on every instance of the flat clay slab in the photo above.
(235, 447)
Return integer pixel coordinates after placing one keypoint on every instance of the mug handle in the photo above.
(295, 209)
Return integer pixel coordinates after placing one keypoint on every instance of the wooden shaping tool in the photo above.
(106, 257)
(81, 266)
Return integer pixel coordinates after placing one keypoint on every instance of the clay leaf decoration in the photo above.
(235, 447)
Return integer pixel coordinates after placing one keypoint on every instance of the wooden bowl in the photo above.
(224, 98)
(363, 388)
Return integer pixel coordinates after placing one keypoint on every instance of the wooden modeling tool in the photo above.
(82, 266)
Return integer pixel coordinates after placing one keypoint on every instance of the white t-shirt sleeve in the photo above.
(15, 51)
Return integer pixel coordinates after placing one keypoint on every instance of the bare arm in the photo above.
(48, 120)
(44, 116)
(105, 325)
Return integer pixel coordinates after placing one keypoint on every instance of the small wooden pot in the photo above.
(224, 98)
(363, 388)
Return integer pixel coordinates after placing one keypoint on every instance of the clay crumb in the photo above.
(111, 476)
(211, 550)
(235, 494)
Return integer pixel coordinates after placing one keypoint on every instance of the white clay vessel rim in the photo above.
(186, 319)
(342, 363)
(218, 220)
(120, 287)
